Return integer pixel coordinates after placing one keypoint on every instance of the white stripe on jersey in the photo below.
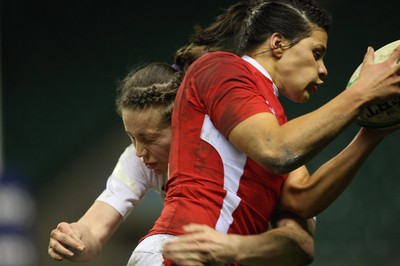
(233, 162)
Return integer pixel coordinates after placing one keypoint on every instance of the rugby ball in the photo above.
(385, 114)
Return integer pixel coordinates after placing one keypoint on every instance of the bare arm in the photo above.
(282, 149)
(288, 244)
(318, 191)
(83, 240)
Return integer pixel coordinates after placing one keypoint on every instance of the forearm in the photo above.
(302, 138)
(310, 195)
(290, 244)
(283, 148)
(287, 245)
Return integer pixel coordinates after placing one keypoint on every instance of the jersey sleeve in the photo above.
(129, 182)
(227, 87)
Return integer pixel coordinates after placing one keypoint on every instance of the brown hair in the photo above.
(154, 85)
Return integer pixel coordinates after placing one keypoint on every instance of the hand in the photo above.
(201, 246)
(382, 79)
(65, 242)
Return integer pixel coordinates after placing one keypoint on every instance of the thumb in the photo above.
(369, 56)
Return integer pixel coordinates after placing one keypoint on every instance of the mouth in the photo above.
(313, 89)
(151, 165)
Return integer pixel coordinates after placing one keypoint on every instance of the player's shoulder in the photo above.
(220, 57)
(217, 63)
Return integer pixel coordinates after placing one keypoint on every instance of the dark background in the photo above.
(61, 61)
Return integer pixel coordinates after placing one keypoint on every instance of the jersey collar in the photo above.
(257, 65)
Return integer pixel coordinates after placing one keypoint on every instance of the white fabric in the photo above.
(262, 70)
(233, 162)
(129, 182)
(149, 251)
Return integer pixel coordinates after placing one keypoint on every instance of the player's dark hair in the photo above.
(186, 55)
(221, 35)
(293, 19)
(224, 32)
(246, 25)
(154, 85)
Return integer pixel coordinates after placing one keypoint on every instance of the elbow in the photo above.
(280, 161)
(304, 213)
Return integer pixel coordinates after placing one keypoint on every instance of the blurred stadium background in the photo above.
(60, 137)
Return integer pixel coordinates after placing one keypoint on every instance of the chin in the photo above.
(298, 98)
(302, 99)
(157, 171)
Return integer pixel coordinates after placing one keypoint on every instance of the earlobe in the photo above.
(277, 51)
(277, 44)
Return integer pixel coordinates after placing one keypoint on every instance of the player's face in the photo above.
(301, 67)
(152, 141)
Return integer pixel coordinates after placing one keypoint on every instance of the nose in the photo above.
(323, 71)
(141, 150)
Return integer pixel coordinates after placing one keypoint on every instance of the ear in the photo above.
(276, 42)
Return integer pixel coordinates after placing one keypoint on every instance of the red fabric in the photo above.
(227, 90)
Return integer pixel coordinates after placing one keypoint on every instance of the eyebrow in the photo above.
(148, 135)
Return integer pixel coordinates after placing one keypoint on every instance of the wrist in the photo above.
(356, 98)
(236, 252)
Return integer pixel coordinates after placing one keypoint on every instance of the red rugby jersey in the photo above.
(211, 182)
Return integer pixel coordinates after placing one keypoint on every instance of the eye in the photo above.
(317, 54)
(149, 140)
(145, 140)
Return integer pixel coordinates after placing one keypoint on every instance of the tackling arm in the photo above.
(83, 240)
(289, 243)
